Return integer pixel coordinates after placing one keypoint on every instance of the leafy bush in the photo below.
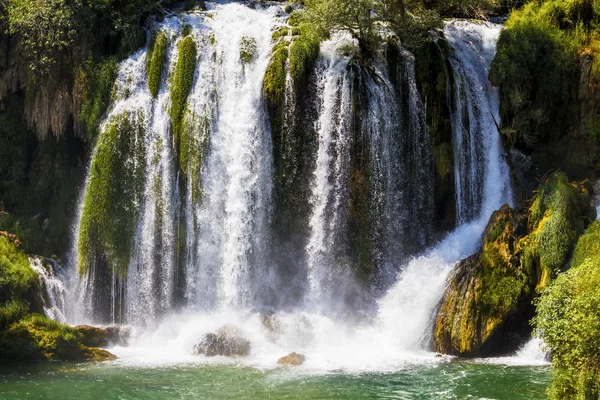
(12, 311)
(537, 68)
(47, 29)
(17, 279)
(568, 319)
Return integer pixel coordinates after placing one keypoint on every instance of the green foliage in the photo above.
(11, 312)
(97, 79)
(537, 68)
(557, 217)
(17, 279)
(155, 61)
(303, 52)
(180, 86)
(47, 29)
(275, 76)
(112, 198)
(365, 19)
(568, 319)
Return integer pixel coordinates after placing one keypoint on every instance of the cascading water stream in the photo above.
(407, 308)
(53, 289)
(332, 168)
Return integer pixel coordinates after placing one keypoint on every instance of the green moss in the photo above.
(557, 217)
(280, 34)
(36, 337)
(155, 60)
(275, 76)
(111, 203)
(186, 30)
(17, 279)
(180, 86)
(11, 312)
(304, 51)
(97, 79)
(588, 247)
(540, 69)
(247, 49)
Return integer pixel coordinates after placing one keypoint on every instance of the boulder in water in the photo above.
(228, 341)
(94, 336)
(292, 359)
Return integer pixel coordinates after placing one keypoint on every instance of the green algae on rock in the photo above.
(111, 203)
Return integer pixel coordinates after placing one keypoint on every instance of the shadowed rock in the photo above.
(227, 341)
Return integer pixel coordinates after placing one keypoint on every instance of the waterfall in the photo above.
(204, 252)
(232, 241)
(475, 115)
(202, 230)
(407, 308)
(329, 189)
(53, 290)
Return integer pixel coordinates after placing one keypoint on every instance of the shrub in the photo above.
(17, 279)
(568, 319)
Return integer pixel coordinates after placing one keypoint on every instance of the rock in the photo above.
(292, 359)
(93, 336)
(227, 341)
(487, 305)
(485, 291)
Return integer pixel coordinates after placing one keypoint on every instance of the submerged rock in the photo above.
(228, 341)
(292, 359)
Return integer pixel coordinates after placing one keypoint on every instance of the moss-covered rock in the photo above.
(484, 292)
(558, 215)
(433, 81)
(180, 86)
(97, 80)
(247, 49)
(155, 60)
(36, 337)
(275, 75)
(488, 302)
(112, 199)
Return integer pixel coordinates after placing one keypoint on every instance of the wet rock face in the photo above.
(485, 308)
(292, 359)
(227, 341)
(93, 336)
